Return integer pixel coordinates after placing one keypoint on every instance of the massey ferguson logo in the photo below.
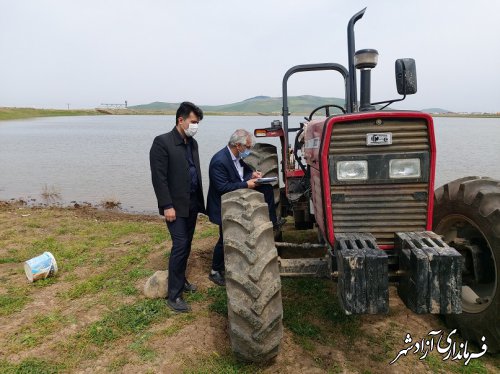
(376, 138)
(379, 138)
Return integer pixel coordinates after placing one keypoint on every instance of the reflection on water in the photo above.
(103, 158)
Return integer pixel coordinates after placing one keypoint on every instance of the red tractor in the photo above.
(364, 177)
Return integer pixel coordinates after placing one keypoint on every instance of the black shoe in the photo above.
(189, 287)
(279, 223)
(218, 278)
(179, 305)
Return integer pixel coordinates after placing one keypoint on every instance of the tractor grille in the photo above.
(350, 138)
(380, 209)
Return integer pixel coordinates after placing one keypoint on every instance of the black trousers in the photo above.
(268, 192)
(181, 231)
(218, 256)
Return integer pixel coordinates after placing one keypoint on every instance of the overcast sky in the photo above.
(88, 52)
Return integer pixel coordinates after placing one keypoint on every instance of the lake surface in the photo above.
(107, 157)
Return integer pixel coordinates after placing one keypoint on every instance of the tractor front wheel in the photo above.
(467, 215)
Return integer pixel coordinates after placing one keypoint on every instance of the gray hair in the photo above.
(239, 137)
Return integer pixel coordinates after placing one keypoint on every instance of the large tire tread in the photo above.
(264, 157)
(477, 199)
(253, 283)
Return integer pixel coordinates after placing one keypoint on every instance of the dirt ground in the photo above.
(92, 317)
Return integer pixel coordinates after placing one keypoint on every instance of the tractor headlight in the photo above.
(404, 168)
(357, 170)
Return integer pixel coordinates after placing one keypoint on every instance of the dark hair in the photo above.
(185, 110)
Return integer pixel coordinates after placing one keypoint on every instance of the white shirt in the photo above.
(237, 164)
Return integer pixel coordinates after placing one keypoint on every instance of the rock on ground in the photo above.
(156, 285)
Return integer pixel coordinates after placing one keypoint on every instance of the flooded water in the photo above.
(107, 157)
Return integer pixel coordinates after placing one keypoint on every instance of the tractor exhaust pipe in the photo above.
(365, 60)
(350, 52)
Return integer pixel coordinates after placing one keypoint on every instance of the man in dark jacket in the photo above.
(228, 172)
(176, 176)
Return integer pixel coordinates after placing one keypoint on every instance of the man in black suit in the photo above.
(176, 176)
(228, 172)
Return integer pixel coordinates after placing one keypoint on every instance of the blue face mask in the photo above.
(245, 153)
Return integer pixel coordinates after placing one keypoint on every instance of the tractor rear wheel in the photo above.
(264, 157)
(253, 283)
(467, 215)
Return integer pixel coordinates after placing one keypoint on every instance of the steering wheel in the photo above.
(327, 109)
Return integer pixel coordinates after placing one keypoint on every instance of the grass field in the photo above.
(20, 113)
(92, 317)
(23, 113)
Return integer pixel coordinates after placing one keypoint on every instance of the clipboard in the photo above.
(266, 180)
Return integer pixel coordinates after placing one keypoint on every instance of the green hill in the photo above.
(259, 104)
(436, 110)
(157, 105)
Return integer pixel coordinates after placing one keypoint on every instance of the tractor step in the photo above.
(303, 267)
(431, 280)
(363, 285)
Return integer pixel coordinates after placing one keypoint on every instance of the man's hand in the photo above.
(169, 214)
(251, 183)
(256, 174)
